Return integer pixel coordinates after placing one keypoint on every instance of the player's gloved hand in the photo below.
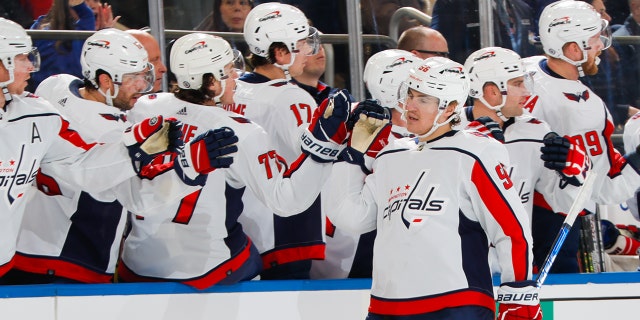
(566, 157)
(208, 151)
(149, 138)
(487, 126)
(370, 133)
(328, 130)
(366, 107)
(519, 301)
(618, 241)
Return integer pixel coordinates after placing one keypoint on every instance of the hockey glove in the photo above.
(146, 141)
(328, 130)
(566, 157)
(487, 126)
(370, 134)
(519, 301)
(618, 241)
(208, 151)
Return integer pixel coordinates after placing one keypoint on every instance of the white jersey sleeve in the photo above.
(631, 139)
(572, 109)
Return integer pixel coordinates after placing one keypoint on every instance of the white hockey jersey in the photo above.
(37, 137)
(348, 255)
(198, 240)
(523, 140)
(435, 206)
(572, 109)
(283, 109)
(72, 233)
(631, 139)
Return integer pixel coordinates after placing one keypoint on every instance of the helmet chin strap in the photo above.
(109, 97)
(223, 85)
(577, 64)
(435, 125)
(285, 67)
(498, 108)
(5, 88)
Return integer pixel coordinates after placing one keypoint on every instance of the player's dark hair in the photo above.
(89, 86)
(200, 95)
(256, 60)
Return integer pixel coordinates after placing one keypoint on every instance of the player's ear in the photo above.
(281, 55)
(572, 51)
(104, 81)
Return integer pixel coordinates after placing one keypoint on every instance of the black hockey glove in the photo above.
(208, 151)
(328, 130)
(567, 158)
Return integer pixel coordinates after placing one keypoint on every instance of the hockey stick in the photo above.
(576, 207)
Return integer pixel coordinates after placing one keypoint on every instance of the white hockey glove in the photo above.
(519, 301)
(327, 132)
(148, 140)
(370, 133)
(568, 158)
(208, 151)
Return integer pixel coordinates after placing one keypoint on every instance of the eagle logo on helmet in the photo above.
(100, 43)
(271, 15)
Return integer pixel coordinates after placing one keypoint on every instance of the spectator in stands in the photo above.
(228, 16)
(630, 55)
(607, 83)
(153, 50)
(424, 42)
(309, 80)
(14, 11)
(61, 56)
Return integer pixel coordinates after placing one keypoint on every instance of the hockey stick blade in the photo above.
(576, 207)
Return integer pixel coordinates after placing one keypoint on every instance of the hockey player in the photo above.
(198, 240)
(36, 137)
(280, 40)
(631, 139)
(444, 186)
(350, 255)
(573, 35)
(69, 234)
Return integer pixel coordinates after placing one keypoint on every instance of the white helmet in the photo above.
(276, 22)
(14, 40)
(385, 71)
(568, 21)
(115, 52)
(493, 65)
(441, 78)
(196, 54)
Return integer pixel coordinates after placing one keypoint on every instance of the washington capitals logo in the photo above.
(455, 70)
(576, 97)
(196, 46)
(100, 43)
(398, 62)
(559, 21)
(485, 55)
(415, 204)
(270, 15)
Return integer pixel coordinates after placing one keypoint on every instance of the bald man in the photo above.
(424, 42)
(153, 50)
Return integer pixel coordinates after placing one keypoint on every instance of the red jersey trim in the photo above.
(505, 217)
(405, 307)
(65, 269)
(205, 281)
(7, 266)
(281, 256)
